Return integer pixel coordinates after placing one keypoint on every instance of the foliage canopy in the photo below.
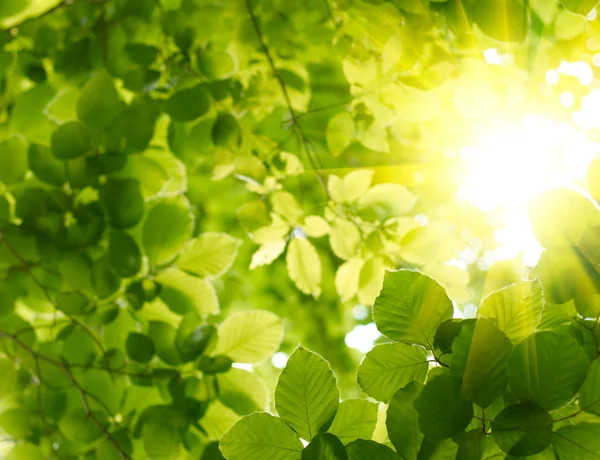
(189, 189)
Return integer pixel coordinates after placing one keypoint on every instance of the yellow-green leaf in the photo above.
(304, 266)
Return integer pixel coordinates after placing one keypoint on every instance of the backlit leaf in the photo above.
(479, 357)
(167, 227)
(13, 160)
(389, 367)
(304, 266)
(209, 255)
(402, 421)
(410, 307)
(354, 419)
(261, 436)
(249, 336)
(547, 368)
(516, 309)
(306, 396)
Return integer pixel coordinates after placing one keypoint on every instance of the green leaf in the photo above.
(362, 449)
(123, 202)
(185, 293)
(286, 205)
(340, 133)
(260, 436)
(589, 394)
(304, 266)
(106, 450)
(164, 336)
(267, 253)
(79, 347)
(565, 273)
(161, 441)
(16, 423)
(139, 347)
(355, 418)
(582, 7)
(548, 369)
(124, 255)
(211, 365)
(72, 303)
(25, 451)
(78, 426)
(104, 280)
(383, 201)
(522, 429)
(370, 280)
(559, 217)
(167, 227)
(132, 130)
(315, 226)
(13, 12)
(250, 336)
(389, 367)
(70, 140)
(325, 446)
(306, 396)
(344, 239)
(443, 408)
(226, 132)
(347, 277)
(447, 332)
(476, 445)
(479, 357)
(402, 421)
(195, 338)
(351, 187)
(99, 103)
(516, 308)
(13, 160)
(45, 166)
(410, 307)
(243, 391)
(593, 175)
(215, 65)
(578, 442)
(504, 20)
(188, 104)
(210, 255)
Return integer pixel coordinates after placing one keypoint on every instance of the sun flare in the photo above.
(506, 167)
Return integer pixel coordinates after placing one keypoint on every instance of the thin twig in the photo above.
(44, 289)
(83, 394)
(567, 416)
(307, 144)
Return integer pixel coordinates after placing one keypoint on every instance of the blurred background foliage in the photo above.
(274, 155)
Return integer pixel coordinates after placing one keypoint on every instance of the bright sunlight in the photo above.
(506, 167)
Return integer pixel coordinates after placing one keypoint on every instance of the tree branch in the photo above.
(83, 394)
(44, 289)
(307, 144)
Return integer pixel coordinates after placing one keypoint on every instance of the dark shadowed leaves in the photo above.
(325, 446)
(547, 368)
(522, 429)
(443, 408)
(123, 202)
